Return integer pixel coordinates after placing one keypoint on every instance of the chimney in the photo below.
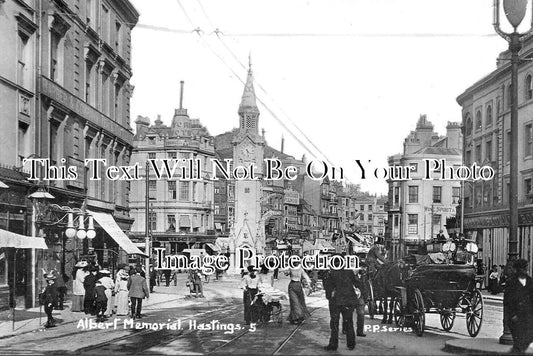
(141, 124)
(181, 111)
(181, 94)
(282, 143)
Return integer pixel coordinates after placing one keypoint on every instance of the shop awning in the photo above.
(185, 221)
(352, 240)
(10, 239)
(110, 226)
(213, 246)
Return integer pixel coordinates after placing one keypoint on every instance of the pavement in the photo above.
(32, 320)
(479, 346)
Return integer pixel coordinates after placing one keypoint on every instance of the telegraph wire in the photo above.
(206, 44)
(279, 106)
(217, 32)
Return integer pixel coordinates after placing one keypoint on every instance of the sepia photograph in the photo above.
(253, 177)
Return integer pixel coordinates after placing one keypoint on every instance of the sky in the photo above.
(349, 77)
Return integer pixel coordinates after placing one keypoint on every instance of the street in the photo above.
(172, 326)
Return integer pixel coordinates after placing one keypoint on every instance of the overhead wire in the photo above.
(263, 89)
(208, 46)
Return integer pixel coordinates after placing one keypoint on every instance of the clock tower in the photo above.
(248, 148)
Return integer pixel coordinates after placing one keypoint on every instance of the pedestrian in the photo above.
(342, 288)
(49, 298)
(138, 290)
(101, 300)
(493, 286)
(61, 288)
(121, 293)
(109, 285)
(78, 290)
(518, 300)
(298, 309)
(249, 283)
(167, 273)
(197, 283)
(153, 279)
(89, 283)
(360, 304)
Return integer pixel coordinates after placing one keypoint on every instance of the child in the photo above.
(101, 301)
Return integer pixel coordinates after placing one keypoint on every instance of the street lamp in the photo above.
(515, 11)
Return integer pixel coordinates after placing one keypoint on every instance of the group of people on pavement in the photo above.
(96, 293)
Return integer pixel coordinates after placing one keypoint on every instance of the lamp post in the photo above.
(515, 11)
(41, 209)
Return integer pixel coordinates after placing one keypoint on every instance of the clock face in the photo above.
(247, 153)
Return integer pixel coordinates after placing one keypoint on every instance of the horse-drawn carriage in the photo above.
(443, 289)
(415, 289)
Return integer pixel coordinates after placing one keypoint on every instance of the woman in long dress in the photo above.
(299, 310)
(121, 294)
(107, 282)
(78, 290)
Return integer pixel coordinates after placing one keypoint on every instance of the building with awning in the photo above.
(110, 226)
(11, 239)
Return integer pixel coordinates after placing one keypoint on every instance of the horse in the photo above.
(384, 284)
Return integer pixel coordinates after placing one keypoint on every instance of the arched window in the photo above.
(479, 122)
(468, 125)
(488, 118)
(528, 88)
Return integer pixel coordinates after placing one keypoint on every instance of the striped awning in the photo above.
(10, 239)
(213, 246)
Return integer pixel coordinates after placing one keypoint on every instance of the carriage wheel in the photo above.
(474, 314)
(447, 318)
(371, 301)
(419, 316)
(399, 317)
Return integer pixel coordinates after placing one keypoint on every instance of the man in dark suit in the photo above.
(340, 288)
(138, 289)
(518, 300)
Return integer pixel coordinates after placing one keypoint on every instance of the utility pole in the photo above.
(147, 220)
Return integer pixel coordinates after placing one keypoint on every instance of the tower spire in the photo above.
(248, 110)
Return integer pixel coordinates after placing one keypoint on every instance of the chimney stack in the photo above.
(181, 94)
(282, 143)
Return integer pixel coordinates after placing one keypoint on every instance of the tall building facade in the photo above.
(417, 207)
(181, 209)
(486, 111)
(371, 215)
(64, 96)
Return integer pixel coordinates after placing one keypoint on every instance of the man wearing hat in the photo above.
(50, 297)
(518, 300)
(138, 289)
(250, 284)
